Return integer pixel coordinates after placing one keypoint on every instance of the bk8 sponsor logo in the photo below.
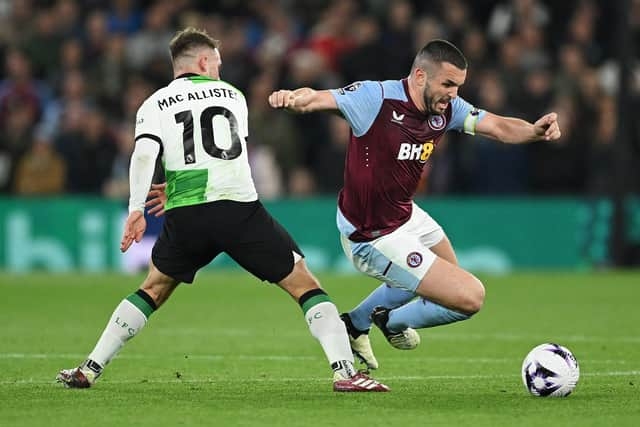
(420, 152)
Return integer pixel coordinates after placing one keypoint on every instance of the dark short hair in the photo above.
(188, 39)
(438, 51)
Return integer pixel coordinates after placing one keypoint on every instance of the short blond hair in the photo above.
(188, 39)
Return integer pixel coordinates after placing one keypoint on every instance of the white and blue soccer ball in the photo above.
(550, 370)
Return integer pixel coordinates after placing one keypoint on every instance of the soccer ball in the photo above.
(550, 370)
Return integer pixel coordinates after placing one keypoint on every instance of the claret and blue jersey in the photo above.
(391, 141)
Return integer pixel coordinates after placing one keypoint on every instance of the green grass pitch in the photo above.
(231, 351)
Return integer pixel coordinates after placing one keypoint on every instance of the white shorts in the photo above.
(401, 258)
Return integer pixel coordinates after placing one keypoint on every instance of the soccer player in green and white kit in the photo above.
(198, 124)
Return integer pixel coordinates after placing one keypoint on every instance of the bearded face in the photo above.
(441, 86)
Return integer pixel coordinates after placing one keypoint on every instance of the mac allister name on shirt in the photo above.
(198, 95)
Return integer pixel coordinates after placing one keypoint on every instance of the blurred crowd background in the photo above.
(75, 72)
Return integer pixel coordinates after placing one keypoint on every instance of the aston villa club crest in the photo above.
(437, 122)
(414, 259)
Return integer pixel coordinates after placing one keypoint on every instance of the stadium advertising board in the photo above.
(495, 235)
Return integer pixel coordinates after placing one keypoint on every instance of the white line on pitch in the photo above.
(316, 379)
(284, 358)
(280, 358)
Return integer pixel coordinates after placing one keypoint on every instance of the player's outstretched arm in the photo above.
(517, 131)
(303, 100)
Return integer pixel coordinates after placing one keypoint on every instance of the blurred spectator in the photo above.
(474, 45)
(532, 53)
(581, 32)
(331, 36)
(73, 96)
(214, 24)
(510, 71)
(274, 35)
(124, 17)
(136, 91)
(329, 166)
(308, 69)
(112, 72)
(398, 40)
(17, 23)
(238, 66)
(43, 46)
(15, 140)
(40, 171)
(478, 57)
(270, 128)
(21, 101)
(361, 63)
(67, 19)
(96, 37)
(71, 59)
(19, 88)
(509, 15)
(538, 91)
(562, 168)
(88, 148)
(150, 43)
(456, 20)
(427, 28)
(497, 168)
(572, 65)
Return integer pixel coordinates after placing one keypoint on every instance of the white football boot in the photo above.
(407, 339)
(360, 344)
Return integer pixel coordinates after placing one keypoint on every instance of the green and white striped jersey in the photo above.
(202, 126)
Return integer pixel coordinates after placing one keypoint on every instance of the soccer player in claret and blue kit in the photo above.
(395, 127)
